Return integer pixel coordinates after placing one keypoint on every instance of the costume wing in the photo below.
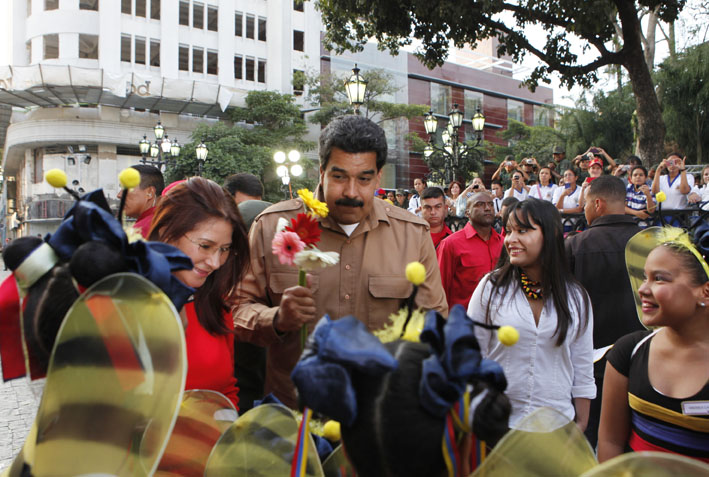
(650, 464)
(545, 443)
(261, 443)
(203, 418)
(114, 384)
(337, 464)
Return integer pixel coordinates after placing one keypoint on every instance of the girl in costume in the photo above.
(534, 291)
(656, 392)
(200, 219)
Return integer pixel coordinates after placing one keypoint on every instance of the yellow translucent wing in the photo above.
(203, 418)
(337, 464)
(261, 443)
(114, 384)
(545, 443)
(650, 464)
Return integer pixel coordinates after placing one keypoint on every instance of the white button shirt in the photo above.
(538, 372)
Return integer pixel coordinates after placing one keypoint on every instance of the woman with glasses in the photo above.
(201, 219)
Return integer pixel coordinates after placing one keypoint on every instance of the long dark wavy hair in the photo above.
(182, 209)
(558, 283)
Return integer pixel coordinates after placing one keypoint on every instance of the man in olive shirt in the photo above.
(375, 241)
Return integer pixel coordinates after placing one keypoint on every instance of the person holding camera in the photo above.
(676, 184)
(504, 172)
(460, 204)
(530, 169)
(518, 190)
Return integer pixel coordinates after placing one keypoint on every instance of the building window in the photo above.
(51, 4)
(298, 41)
(184, 58)
(515, 110)
(125, 48)
(88, 47)
(197, 60)
(154, 52)
(541, 115)
(28, 51)
(140, 8)
(261, 71)
(250, 26)
(261, 29)
(139, 50)
(238, 24)
(212, 18)
(298, 5)
(238, 67)
(88, 5)
(38, 169)
(212, 62)
(440, 98)
(51, 46)
(249, 69)
(155, 9)
(198, 16)
(29, 7)
(184, 13)
(298, 82)
(126, 6)
(471, 101)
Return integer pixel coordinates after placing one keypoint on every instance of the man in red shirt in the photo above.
(467, 255)
(433, 211)
(140, 201)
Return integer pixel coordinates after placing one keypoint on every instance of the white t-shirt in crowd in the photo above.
(539, 191)
(675, 199)
(414, 204)
(571, 201)
(519, 195)
(538, 372)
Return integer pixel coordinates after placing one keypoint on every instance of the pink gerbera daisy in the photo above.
(285, 245)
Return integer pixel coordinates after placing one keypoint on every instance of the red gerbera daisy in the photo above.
(306, 227)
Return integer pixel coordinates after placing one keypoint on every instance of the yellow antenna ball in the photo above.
(508, 335)
(129, 178)
(56, 178)
(660, 197)
(416, 273)
(331, 431)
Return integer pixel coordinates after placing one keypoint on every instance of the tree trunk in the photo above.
(649, 44)
(651, 127)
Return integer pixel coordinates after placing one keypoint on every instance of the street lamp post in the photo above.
(201, 151)
(285, 172)
(356, 86)
(446, 160)
(162, 151)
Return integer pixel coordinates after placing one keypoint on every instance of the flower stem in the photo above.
(303, 282)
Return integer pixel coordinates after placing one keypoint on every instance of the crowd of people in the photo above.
(582, 349)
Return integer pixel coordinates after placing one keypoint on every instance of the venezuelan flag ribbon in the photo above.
(300, 457)
(451, 454)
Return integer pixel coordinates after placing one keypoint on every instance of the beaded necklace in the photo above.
(530, 288)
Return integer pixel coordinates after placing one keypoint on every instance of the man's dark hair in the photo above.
(496, 181)
(607, 187)
(150, 176)
(245, 183)
(353, 133)
(638, 167)
(635, 160)
(432, 193)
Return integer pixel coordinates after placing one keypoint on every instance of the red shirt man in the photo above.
(467, 255)
(433, 211)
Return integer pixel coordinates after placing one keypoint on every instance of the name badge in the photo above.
(695, 408)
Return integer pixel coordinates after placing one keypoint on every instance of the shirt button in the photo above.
(347, 297)
(347, 267)
(387, 209)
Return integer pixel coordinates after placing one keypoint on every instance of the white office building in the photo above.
(81, 82)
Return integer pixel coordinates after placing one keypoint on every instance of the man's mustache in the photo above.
(349, 202)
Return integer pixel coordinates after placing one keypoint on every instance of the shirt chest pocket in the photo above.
(475, 261)
(279, 281)
(387, 293)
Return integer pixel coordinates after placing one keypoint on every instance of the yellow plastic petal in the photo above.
(416, 273)
(129, 178)
(331, 431)
(508, 335)
(660, 197)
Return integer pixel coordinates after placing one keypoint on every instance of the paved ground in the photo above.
(18, 404)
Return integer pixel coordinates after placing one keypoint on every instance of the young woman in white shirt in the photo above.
(545, 188)
(518, 190)
(567, 198)
(552, 363)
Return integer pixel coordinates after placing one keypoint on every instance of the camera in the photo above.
(595, 150)
(476, 186)
(529, 161)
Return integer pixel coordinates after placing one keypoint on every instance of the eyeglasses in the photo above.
(209, 249)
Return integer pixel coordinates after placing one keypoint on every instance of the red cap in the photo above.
(381, 192)
(596, 162)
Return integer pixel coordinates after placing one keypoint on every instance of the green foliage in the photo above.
(270, 121)
(327, 91)
(606, 123)
(684, 88)
(528, 141)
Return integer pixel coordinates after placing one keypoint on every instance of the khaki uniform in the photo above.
(369, 282)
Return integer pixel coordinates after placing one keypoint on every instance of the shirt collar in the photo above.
(371, 221)
(612, 219)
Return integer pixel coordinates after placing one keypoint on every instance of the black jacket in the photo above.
(597, 260)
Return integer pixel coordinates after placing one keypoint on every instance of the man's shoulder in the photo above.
(278, 209)
(402, 216)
